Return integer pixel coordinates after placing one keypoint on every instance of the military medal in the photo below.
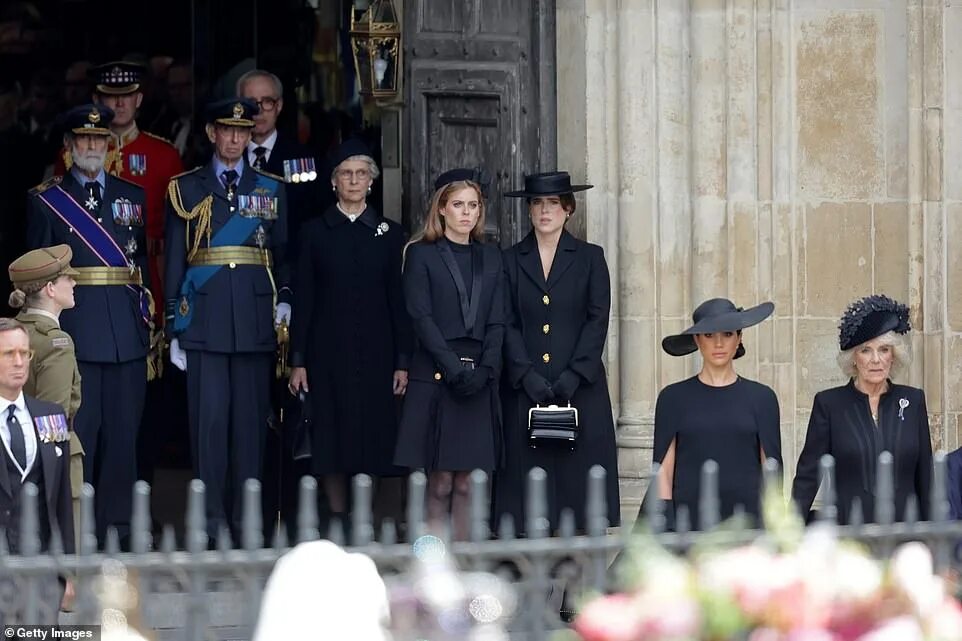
(131, 250)
(91, 204)
(260, 236)
(184, 308)
(137, 164)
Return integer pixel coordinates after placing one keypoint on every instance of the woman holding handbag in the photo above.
(451, 421)
(557, 305)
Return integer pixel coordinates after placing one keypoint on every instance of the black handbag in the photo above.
(553, 425)
(301, 431)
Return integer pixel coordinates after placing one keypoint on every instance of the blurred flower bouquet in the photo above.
(791, 585)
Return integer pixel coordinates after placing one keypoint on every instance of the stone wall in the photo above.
(806, 152)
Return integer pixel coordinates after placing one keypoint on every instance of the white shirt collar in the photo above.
(20, 402)
(43, 312)
(268, 144)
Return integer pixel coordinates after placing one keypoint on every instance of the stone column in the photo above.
(800, 151)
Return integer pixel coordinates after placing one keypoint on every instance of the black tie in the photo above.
(17, 445)
(229, 176)
(260, 153)
(93, 188)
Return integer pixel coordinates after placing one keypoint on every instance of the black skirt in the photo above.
(443, 431)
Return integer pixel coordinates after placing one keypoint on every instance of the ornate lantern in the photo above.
(375, 41)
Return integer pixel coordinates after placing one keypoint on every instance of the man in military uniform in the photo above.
(149, 161)
(138, 156)
(279, 153)
(226, 288)
(43, 283)
(101, 217)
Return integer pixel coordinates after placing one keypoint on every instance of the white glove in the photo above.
(178, 356)
(282, 313)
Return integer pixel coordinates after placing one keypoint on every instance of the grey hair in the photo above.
(260, 73)
(901, 355)
(375, 171)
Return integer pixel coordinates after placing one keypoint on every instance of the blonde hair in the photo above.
(433, 227)
(901, 355)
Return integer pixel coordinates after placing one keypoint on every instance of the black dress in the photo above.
(841, 425)
(350, 330)
(556, 326)
(458, 320)
(726, 424)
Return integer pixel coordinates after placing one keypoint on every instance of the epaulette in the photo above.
(184, 173)
(47, 184)
(268, 174)
(161, 138)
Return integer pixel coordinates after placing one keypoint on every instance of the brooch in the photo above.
(381, 229)
(903, 403)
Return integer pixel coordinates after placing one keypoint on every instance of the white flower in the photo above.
(911, 570)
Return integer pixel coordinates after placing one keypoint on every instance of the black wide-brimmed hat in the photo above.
(869, 318)
(552, 183)
(715, 315)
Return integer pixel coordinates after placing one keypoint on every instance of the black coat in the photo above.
(106, 323)
(553, 327)
(58, 505)
(351, 331)
(442, 429)
(841, 425)
(234, 311)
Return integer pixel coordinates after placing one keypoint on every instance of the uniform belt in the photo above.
(108, 276)
(232, 255)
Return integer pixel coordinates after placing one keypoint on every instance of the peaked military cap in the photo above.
(233, 112)
(88, 119)
(37, 267)
(118, 78)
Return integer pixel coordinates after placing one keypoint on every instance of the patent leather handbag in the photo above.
(553, 425)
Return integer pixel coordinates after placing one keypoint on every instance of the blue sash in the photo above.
(95, 237)
(237, 230)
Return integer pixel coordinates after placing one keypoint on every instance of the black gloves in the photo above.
(566, 385)
(471, 381)
(537, 387)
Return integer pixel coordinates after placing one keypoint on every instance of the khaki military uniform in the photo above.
(54, 377)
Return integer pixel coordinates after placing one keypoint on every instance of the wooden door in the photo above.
(479, 91)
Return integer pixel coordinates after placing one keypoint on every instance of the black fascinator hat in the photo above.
(870, 317)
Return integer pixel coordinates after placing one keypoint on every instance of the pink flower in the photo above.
(610, 618)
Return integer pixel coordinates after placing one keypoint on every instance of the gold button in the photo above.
(545, 299)
(233, 265)
(546, 328)
(437, 376)
(546, 358)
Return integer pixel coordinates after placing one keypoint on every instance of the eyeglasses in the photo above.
(267, 104)
(360, 174)
(8, 355)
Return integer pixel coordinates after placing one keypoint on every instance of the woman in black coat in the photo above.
(451, 420)
(351, 337)
(858, 421)
(558, 302)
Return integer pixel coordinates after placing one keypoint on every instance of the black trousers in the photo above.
(228, 405)
(112, 403)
